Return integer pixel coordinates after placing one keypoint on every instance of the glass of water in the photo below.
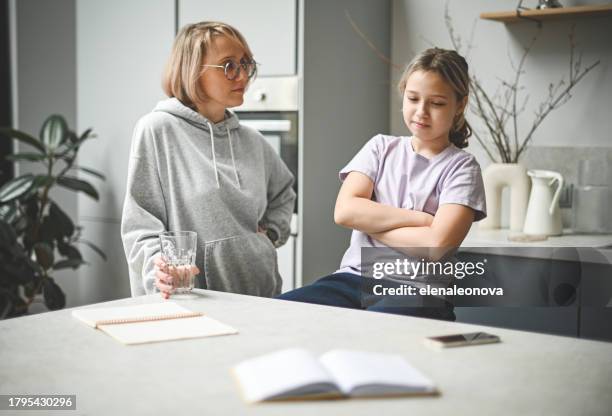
(178, 251)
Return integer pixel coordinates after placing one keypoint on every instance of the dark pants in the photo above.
(349, 290)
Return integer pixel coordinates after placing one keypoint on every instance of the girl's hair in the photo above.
(454, 69)
(182, 74)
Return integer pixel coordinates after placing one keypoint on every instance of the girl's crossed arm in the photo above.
(447, 231)
(355, 209)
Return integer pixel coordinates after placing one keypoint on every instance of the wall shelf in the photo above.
(549, 14)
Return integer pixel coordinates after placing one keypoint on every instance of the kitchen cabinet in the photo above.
(569, 296)
(564, 284)
(270, 27)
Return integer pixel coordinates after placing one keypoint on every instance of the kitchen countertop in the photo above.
(526, 374)
(595, 248)
(478, 237)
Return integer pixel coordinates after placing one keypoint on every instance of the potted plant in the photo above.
(37, 238)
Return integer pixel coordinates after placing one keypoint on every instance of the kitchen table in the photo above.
(526, 374)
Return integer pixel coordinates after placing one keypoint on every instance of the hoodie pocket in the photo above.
(243, 264)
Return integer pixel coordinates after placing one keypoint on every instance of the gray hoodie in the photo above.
(220, 180)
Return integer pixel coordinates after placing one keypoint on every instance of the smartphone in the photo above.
(460, 340)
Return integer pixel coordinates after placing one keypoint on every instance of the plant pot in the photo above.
(496, 177)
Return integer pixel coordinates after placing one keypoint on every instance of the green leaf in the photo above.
(90, 171)
(54, 132)
(93, 247)
(63, 221)
(22, 137)
(18, 271)
(15, 188)
(44, 254)
(69, 264)
(7, 234)
(20, 224)
(41, 181)
(48, 230)
(74, 142)
(8, 212)
(6, 303)
(72, 137)
(68, 250)
(78, 185)
(86, 135)
(54, 296)
(33, 157)
(64, 154)
(32, 208)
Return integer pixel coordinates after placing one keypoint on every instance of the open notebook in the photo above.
(152, 322)
(297, 374)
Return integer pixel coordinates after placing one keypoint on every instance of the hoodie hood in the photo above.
(230, 122)
(176, 108)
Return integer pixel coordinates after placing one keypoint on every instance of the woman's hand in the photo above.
(165, 278)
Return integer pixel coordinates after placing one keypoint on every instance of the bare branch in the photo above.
(553, 104)
(506, 102)
(368, 42)
(484, 145)
(470, 44)
(427, 41)
(515, 87)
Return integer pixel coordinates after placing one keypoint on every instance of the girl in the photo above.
(418, 191)
(194, 167)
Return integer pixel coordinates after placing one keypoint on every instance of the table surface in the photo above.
(526, 374)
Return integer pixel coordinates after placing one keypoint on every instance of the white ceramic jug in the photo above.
(543, 213)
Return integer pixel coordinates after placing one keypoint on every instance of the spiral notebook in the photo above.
(154, 322)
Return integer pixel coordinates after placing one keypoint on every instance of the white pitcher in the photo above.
(543, 213)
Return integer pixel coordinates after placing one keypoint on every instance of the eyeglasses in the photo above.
(232, 68)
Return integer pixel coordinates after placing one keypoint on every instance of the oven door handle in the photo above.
(268, 125)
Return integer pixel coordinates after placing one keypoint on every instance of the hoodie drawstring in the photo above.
(212, 143)
(229, 138)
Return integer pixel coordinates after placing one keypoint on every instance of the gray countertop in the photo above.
(478, 237)
(595, 248)
(526, 374)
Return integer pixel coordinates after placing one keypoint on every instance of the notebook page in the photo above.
(276, 374)
(91, 316)
(167, 330)
(374, 373)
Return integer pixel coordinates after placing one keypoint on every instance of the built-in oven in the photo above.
(280, 131)
(271, 107)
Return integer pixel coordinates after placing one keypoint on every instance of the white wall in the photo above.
(582, 122)
(122, 48)
(43, 84)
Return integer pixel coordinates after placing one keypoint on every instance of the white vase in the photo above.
(496, 177)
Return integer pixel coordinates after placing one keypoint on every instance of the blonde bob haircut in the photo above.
(182, 74)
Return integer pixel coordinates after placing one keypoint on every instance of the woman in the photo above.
(193, 167)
